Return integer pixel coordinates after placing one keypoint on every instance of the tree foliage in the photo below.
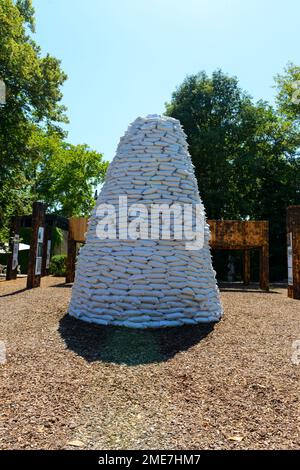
(288, 93)
(67, 175)
(245, 153)
(30, 123)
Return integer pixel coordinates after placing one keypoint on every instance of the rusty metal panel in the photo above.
(238, 234)
(226, 234)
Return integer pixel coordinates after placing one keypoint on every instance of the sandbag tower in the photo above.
(146, 282)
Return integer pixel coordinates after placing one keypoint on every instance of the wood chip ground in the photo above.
(71, 385)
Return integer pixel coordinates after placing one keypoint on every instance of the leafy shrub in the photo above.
(58, 265)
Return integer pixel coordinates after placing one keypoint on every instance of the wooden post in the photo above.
(77, 231)
(293, 246)
(12, 266)
(246, 267)
(36, 246)
(264, 267)
(71, 260)
(264, 258)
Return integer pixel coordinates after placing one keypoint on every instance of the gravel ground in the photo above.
(71, 385)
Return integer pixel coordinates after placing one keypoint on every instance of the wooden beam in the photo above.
(264, 267)
(238, 234)
(77, 232)
(36, 246)
(78, 228)
(293, 238)
(71, 261)
(225, 235)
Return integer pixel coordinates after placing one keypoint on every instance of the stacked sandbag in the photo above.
(146, 282)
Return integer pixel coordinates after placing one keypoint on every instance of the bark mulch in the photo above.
(71, 385)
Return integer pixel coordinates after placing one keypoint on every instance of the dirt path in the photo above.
(72, 385)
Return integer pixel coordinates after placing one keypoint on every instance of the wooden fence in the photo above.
(225, 235)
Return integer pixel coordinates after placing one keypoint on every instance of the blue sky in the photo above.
(124, 58)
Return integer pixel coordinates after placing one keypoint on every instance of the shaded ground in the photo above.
(67, 384)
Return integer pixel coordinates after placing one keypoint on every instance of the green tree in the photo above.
(67, 175)
(216, 116)
(245, 154)
(288, 93)
(33, 94)
(35, 161)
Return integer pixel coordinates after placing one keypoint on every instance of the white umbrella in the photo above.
(22, 247)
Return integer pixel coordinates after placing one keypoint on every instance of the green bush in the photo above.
(58, 265)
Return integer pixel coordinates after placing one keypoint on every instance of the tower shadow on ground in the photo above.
(132, 347)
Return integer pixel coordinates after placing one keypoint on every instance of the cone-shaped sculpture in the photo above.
(146, 282)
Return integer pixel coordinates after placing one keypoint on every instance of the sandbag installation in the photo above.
(136, 268)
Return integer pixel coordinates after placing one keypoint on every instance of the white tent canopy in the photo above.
(22, 247)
